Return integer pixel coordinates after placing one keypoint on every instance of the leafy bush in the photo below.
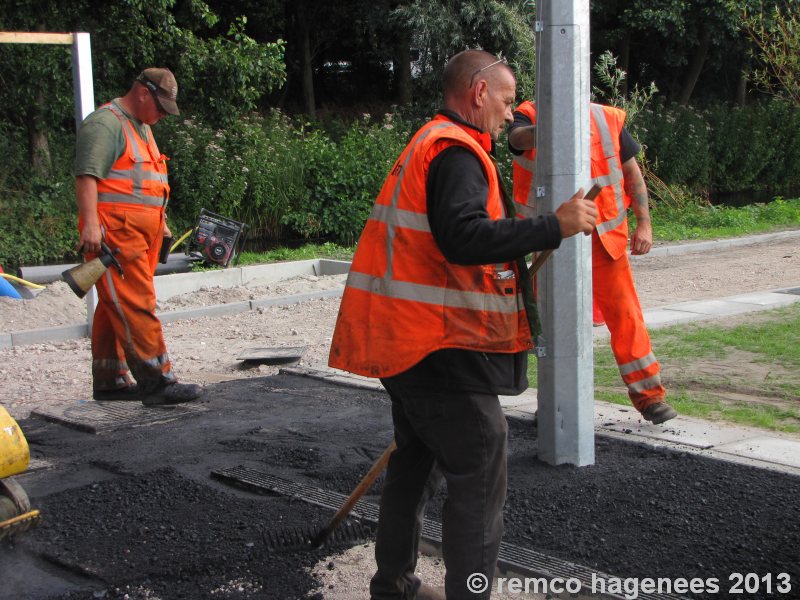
(676, 141)
(724, 149)
(279, 177)
(343, 194)
(38, 223)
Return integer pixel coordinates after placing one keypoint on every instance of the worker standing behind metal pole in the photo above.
(566, 383)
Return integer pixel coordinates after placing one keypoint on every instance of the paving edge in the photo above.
(81, 330)
(676, 249)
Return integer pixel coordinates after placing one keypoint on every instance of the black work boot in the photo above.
(173, 393)
(659, 413)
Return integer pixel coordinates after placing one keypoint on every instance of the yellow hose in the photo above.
(34, 286)
(181, 239)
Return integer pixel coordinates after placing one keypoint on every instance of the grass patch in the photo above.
(305, 252)
(694, 220)
(718, 372)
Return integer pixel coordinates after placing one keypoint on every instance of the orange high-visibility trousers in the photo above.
(126, 333)
(615, 295)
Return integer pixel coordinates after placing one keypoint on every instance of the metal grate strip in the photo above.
(512, 558)
(103, 417)
(292, 538)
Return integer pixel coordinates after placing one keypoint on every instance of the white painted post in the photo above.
(83, 88)
(82, 80)
(565, 369)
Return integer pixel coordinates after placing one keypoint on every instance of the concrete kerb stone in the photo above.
(705, 310)
(216, 310)
(174, 284)
(676, 249)
(48, 335)
(294, 299)
(184, 283)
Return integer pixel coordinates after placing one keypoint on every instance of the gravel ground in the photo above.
(204, 350)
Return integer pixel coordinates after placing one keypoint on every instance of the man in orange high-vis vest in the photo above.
(614, 167)
(122, 190)
(432, 307)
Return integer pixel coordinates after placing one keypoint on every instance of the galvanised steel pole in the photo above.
(565, 369)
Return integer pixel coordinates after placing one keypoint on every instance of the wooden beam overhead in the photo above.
(25, 37)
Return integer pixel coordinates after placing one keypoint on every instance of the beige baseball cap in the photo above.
(161, 83)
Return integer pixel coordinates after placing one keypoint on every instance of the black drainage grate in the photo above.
(103, 417)
(512, 559)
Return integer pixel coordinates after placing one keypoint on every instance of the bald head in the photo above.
(480, 88)
(466, 68)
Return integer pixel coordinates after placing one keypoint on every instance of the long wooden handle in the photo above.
(355, 495)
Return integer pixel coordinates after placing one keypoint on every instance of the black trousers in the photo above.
(458, 436)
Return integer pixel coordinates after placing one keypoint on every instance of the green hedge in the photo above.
(724, 149)
(290, 179)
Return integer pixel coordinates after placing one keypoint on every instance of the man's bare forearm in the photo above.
(86, 198)
(636, 188)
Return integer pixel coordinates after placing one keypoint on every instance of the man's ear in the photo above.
(480, 92)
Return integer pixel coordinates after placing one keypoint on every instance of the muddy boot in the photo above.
(659, 413)
(173, 393)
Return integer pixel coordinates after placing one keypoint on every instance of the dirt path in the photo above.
(205, 350)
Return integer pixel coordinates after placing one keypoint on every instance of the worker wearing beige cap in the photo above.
(122, 191)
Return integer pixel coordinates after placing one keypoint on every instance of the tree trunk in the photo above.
(741, 88)
(625, 62)
(402, 71)
(306, 69)
(695, 67)
(741, 84)
(38, 145)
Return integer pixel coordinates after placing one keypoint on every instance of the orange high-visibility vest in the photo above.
(613, 202)
(403, 299)
(139, 176)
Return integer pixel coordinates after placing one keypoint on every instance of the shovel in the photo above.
(355, 496)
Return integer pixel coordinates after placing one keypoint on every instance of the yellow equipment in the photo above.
(16, 515)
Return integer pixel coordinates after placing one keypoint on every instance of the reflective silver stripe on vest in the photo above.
(137, 174)
(394, 217)
(614, 177)
(637, 365)
(390, 212)
(637, 387)
(398, 217)
(528, 165)
(525, 210)
(428, 294)
(525, 163)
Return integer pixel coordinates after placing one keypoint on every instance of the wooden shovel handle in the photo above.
(355, 495)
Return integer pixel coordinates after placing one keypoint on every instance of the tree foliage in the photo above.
(776, 35)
